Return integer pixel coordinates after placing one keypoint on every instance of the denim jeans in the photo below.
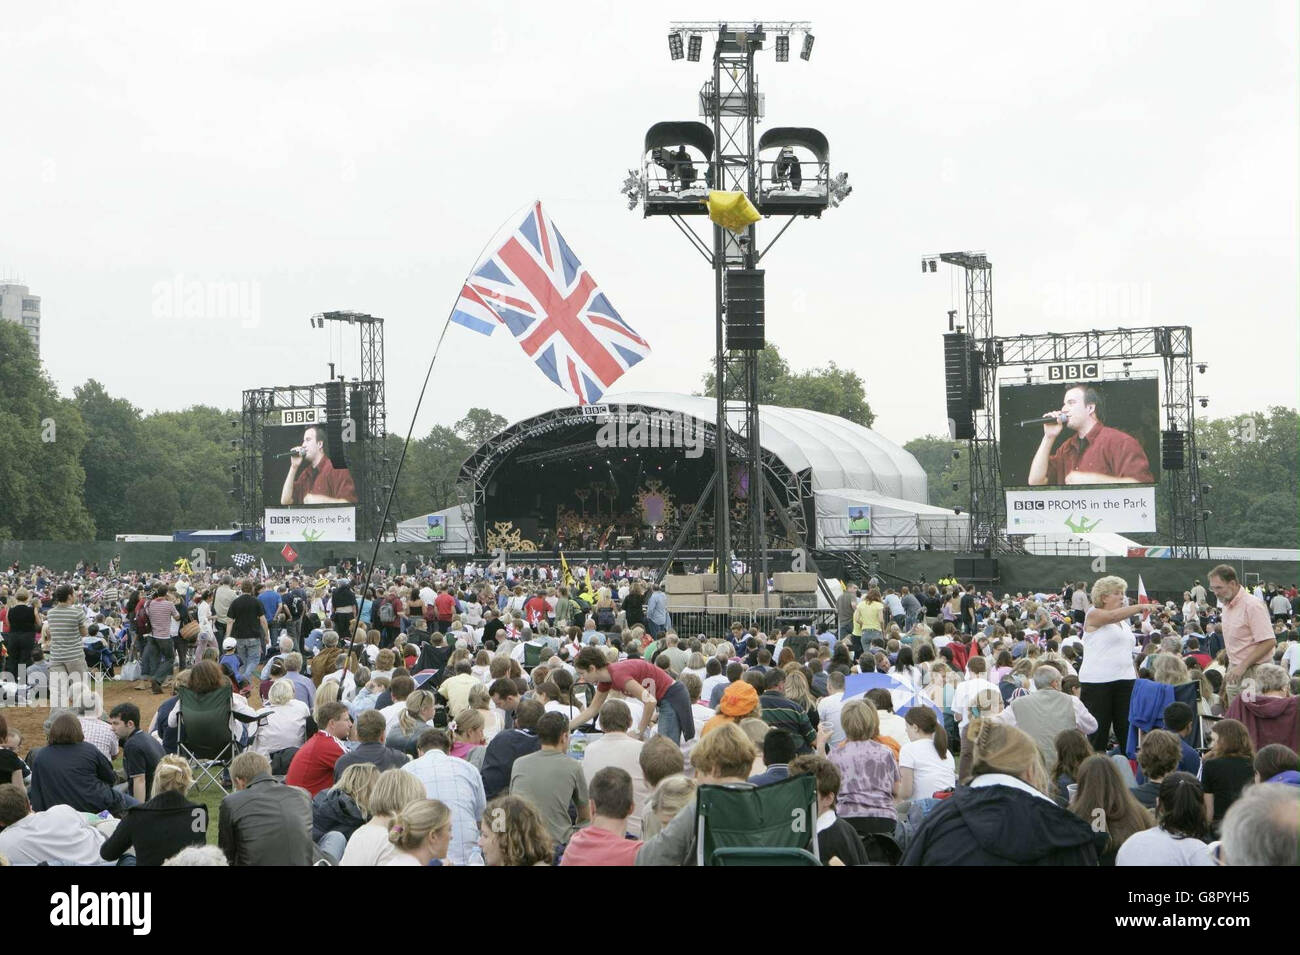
(249, 651)
(165, 662)
(333, 844)
(675, 719)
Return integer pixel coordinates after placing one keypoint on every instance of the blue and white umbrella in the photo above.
(904, 695)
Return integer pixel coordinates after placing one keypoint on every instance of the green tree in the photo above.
(113, 456)
(428, 479)
(1253, 470)
(478, 425)
(935, 454)
(831, 389)
(41, 479)
(773, 372)
(191, 448)
(153, 505)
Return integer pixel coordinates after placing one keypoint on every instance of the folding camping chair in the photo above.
(532, 655)
(204, 736)
(763, 825)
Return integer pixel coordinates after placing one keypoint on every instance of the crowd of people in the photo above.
(466, 715)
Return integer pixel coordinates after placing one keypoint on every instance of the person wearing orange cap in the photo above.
(739, 702)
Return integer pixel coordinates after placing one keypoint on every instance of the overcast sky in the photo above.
(1122, 164)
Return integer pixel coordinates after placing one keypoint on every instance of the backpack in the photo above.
(386, 613)
(142, 624)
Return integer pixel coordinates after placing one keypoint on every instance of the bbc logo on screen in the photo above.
(1029, 505)
(1075, 371)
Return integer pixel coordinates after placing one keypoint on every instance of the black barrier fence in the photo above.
(1165, 579)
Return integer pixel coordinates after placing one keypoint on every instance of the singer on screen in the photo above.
(319, 482)
(1094, 454)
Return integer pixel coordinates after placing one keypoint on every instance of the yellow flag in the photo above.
(712, 565)
(566, 575)
(732, 210)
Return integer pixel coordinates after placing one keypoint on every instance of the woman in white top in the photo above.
(420, 833)
(1181, 826)
(393, 790)
(1106, 676)
(926, 765)
(287, 723)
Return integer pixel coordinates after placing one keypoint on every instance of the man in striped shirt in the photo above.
(67, 626)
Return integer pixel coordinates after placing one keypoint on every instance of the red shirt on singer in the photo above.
(318, 482)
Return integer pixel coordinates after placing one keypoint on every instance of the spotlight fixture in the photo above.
(783, 48)
(956, 455)
(1205, 515)
(675, 45)
(1127, 373)
(1206, 488)
(806, 52)
(1204, 401)
(956, 486)
(1205, 456)
(1201, 366)
(693, 46)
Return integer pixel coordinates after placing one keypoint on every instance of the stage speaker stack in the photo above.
(335, 411)
(959, 384)
(975, 569)
(359, 412)
(745, 325)
(1172, 450)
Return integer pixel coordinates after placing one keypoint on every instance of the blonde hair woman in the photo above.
(392, 791)
(1106, 676)
(1007, 801)
(670, 797)
(512, 833)
(166, 824)
(1169, 669)
(414, 719)
(421, 833)
(467, 737)
(493, 719)
(338, 812)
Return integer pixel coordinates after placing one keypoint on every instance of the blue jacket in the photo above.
(1146, 710)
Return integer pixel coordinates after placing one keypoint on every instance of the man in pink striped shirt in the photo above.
(1247, 631)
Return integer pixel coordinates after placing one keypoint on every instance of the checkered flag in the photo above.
(244, 561)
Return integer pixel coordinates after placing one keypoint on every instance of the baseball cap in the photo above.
(228, 643)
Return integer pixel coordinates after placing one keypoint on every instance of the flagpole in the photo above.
(392, 489)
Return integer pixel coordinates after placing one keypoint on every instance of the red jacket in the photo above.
(1269, 719)
(313, 765)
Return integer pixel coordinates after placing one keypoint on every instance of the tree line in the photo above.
(93, 466)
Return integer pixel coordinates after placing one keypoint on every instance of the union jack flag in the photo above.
(537, 288)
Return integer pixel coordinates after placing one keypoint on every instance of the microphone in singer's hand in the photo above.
(1059, 418)
(291, 453)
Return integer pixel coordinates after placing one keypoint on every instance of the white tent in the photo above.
(459, 537)
(895, 523)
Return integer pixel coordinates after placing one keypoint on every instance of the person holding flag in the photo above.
(1107, 674)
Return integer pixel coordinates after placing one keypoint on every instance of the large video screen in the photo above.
(1082, 433)
(301, 469)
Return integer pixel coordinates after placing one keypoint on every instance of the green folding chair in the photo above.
(532, 655)
(773, 825)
